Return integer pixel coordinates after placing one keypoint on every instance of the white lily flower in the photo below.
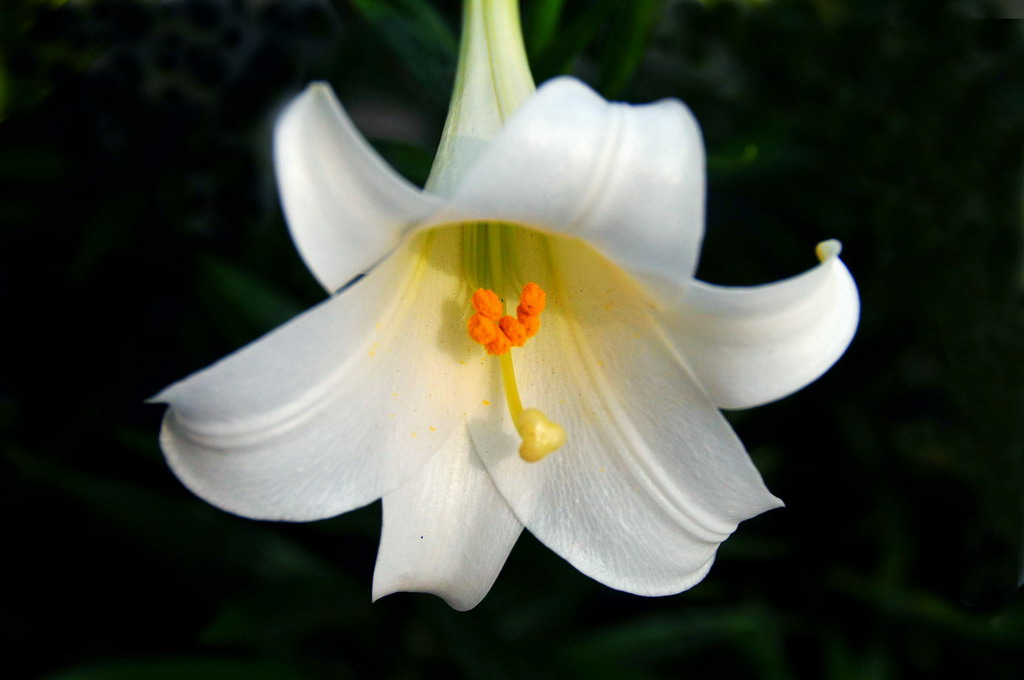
(379, 392)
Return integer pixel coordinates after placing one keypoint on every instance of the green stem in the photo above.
(492, 80)
(510, 70)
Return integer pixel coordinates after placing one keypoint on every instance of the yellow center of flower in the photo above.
(499, 333)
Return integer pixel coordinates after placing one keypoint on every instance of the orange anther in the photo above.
(499, 333)
(487, 303)
(529, 322)
(481, 329)
(513, 330)
(499, 345)
(533, 300)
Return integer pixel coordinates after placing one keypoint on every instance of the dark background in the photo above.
(141, 239)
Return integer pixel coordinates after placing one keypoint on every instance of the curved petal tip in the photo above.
(826, 250)
(346, 208)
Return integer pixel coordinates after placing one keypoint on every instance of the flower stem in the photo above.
(510, 70)
(492, 80)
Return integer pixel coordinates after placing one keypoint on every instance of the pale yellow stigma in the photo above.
(499, 333)
(540, 435)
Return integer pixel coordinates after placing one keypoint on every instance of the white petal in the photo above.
(346, 207)
(447, 531)
(750, 346)
(340, 405)
(628, 179)
(652, 478)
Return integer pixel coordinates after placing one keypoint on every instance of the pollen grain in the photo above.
(482, 329)
(533, 300)
(513, 330)
(486, 302)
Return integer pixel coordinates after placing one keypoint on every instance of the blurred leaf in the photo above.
(1010, 621)
(420, 37)
(32, 163)
(540, 24)
(573, 37)
(5, 88)
(627, 43)
(410, 160)
(111, 228)
(177, 668)
(280, 612)
(185, 529)
(927, 609)
(472, 645)
(240, 303)
(752, 3)
(840, 662)
(650, 640)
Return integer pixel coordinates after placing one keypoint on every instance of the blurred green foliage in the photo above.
(141, 240)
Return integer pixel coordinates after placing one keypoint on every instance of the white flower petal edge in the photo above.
(346, 207)
(340, 405)
(628, 179)
(567, 161)
(446, 531)
(751, 346)
(652, 478)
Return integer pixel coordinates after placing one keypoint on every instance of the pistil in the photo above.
(540, 435)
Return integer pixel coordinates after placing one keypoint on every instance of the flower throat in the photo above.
(499, 333)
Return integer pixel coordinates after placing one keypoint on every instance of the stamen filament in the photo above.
(508, 381)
